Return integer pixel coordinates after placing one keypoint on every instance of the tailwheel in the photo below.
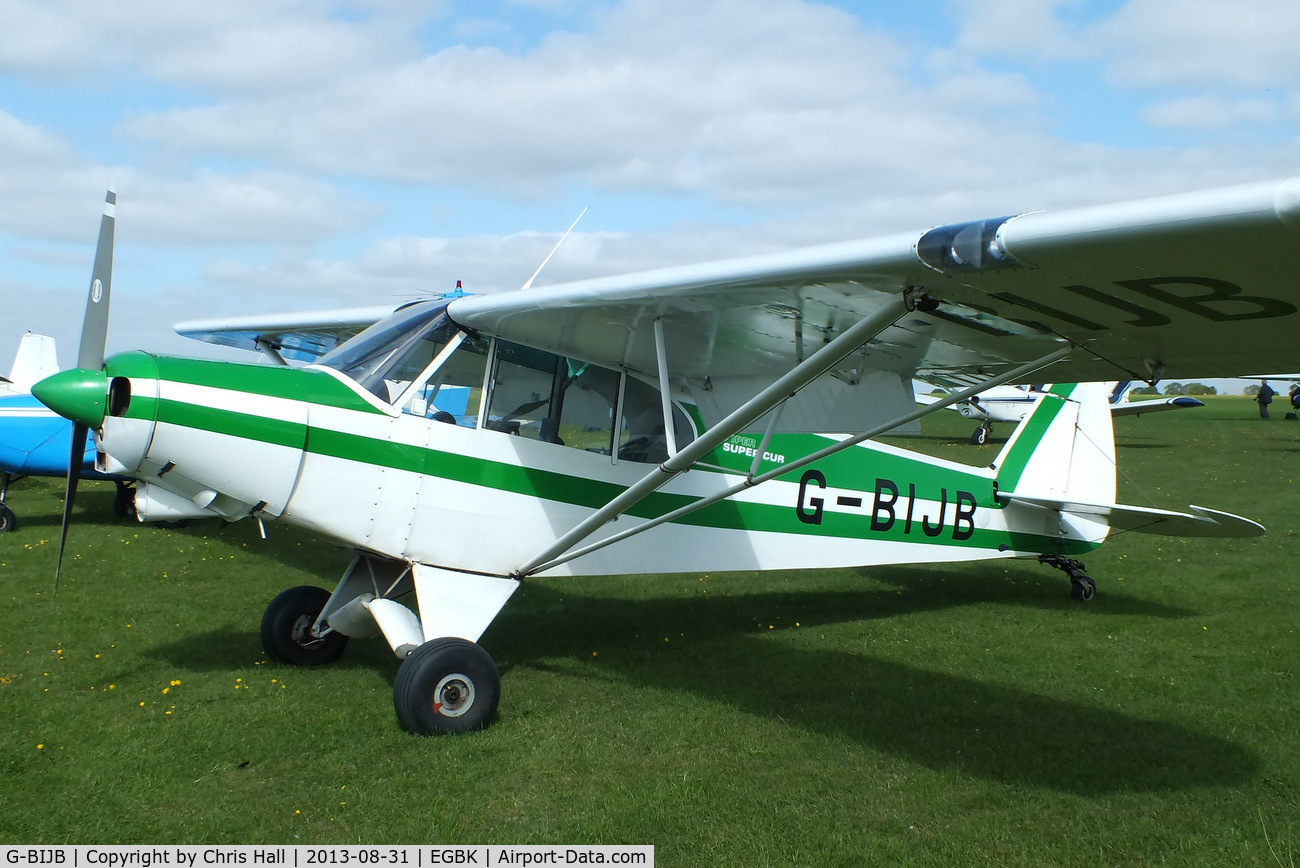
(981, 435)
(286, 629)
(1082, 587)
(446, 685)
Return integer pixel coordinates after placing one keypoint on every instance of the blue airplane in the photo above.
(34, 441)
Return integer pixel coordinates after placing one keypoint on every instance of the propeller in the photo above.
(81, 394)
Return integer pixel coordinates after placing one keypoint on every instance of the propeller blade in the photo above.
(76, 454)
(81, 392)
(94, 326)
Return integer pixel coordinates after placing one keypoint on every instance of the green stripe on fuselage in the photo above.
(855, 470)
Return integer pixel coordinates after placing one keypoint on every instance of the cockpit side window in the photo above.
(454, 390)
(541, 396)
(523, 387)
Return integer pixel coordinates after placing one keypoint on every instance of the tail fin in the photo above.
(34, 362)
(1063, 450)
(1062, 458)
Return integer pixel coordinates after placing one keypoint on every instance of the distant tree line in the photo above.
(1174, 389)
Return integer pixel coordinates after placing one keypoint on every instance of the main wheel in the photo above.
(287, 624)
(8, 521)
(124, 501)
(446, 686)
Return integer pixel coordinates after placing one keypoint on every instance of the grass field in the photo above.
(908, 715)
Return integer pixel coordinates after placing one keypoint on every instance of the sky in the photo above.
(282, 155)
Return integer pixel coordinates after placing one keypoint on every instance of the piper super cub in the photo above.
(675, 420)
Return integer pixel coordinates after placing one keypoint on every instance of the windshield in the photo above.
(391, 353)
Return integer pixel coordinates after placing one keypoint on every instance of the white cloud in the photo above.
(237, 46)
(245, 137)
(1208, 110)
(1017, 28)
(1243, 45)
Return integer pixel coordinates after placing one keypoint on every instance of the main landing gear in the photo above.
(1082, 587)
(8, 521)
(445, 684)
(287, 633)
(123, 502)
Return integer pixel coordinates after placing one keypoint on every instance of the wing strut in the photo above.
(750, 481)
(665, 396)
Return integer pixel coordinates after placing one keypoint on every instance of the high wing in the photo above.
(299, 337)
(1195, 285)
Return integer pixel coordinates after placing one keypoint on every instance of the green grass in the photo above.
(905, 715)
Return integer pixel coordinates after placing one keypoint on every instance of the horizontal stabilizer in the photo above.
(1200, 522)
(1137, 408)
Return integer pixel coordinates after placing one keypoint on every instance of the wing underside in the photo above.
(301, 337)
(1192, 286)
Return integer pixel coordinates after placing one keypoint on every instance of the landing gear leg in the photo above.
(8, 521)
(124, 501)
(1082, 587)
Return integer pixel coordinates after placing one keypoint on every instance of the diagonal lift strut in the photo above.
(769, 398)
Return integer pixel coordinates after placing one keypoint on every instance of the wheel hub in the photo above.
(454, 695)
(301, 632)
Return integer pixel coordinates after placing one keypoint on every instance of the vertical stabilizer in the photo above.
(1064, 450)
(34, 362)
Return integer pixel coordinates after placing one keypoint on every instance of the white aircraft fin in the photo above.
(1064, 449)
(1062, 458)
(34, 361)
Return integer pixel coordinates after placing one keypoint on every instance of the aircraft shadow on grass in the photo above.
(942, 721)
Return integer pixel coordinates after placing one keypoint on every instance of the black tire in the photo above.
(285, 626)
(446, 686)
(980, 437)
(1083, 589)
(124, 501)
(8, 521)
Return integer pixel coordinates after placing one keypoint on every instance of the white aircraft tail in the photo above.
(34, 362)
(1062, 458)
(1064, 450)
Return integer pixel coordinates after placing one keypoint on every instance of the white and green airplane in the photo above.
(676, 420)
